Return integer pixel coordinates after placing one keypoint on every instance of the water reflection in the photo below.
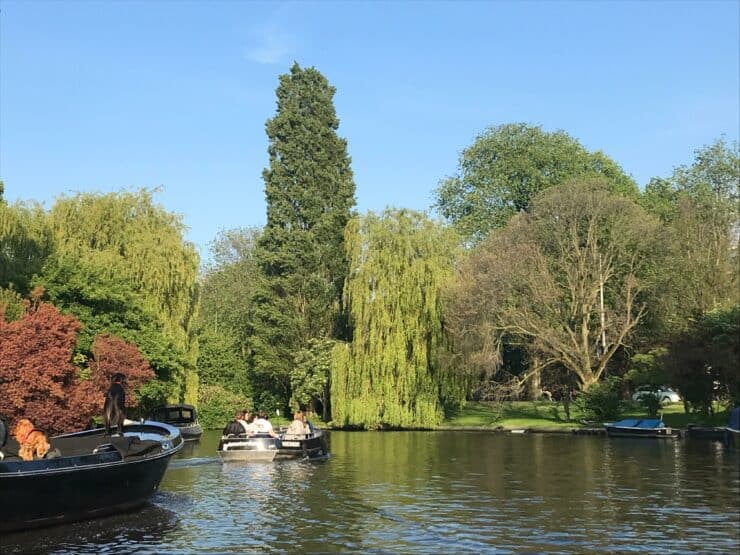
(424, 492)
(145, 529)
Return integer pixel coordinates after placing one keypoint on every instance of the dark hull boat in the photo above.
(705, 432)
(262, 447)
(646, 428)
(92, 475)
(183, 417)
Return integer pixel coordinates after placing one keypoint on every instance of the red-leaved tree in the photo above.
(37, 377)
(112, 355)
(39, 381)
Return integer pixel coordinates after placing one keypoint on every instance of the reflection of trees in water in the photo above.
(144, 529)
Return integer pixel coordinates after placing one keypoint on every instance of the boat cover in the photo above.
(734, 420)
(644, 424)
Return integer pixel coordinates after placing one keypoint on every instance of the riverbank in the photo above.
(542, 416)
(548, 416)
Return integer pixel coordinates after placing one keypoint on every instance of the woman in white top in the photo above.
(297, 428)
(262, 425)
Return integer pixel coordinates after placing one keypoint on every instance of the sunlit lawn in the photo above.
(546, 414)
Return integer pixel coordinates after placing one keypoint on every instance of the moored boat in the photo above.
(263, 447)
(92, 475)
(184, 417)
(705, 432)
(645, 428)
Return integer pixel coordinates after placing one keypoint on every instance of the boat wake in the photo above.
(197, 461)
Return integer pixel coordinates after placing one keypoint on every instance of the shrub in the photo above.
(602, 402)
(217, 405)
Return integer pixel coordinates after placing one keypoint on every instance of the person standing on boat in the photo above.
(262, 424)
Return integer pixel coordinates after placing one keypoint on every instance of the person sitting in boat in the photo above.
(234, 427)
(250, 427)
(262, 424)
(308, 425)
(297, 428)
(244, 422)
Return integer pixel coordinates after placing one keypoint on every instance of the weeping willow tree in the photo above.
(142, 244)
(387, 375)
(25, 242)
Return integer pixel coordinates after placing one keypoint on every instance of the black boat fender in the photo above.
(324, 447)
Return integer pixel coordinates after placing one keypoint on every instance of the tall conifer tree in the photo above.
(310, 192)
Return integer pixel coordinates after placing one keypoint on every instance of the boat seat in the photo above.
(651, 423)
(103, 448)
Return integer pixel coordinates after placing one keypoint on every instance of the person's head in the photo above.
(298, 415)
(262, 414)
(239, 415)
(249, 417)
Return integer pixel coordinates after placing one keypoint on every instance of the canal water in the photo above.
(432, 492)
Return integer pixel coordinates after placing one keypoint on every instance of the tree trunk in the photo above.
(535, 384)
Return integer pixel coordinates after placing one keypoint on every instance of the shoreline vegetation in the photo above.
(541, 417)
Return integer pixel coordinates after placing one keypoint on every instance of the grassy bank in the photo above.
(546, 414)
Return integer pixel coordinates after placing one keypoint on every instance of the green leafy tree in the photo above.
(704, 360)
(697, 266)
(310, 193)
(39, 379)
(602, 402)
(227, 286)
(94, 288)
(538, 283)
(388, 375)
(25, 242)
(309, 378)
(507, 166)
(143, 249)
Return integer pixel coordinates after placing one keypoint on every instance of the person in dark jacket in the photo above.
(235, 427)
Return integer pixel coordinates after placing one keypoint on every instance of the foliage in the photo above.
(309, 190)
(111, 355)
(309, 379)
(25, 242)
(38, 378)
(220, 361)
(507, 166)
(217, 405)
(648, 368)
(704, 360)
(602, 402)
(95, 289)
(227, 285)
(144, 245)
(11, 304)
(697, 268)
(548, 415)
(387, 375)
(537, 283)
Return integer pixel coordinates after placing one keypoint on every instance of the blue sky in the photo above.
(102, 95)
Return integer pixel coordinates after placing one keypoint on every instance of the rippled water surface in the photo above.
(425, 492)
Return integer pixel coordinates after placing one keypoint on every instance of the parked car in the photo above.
(663, 393)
